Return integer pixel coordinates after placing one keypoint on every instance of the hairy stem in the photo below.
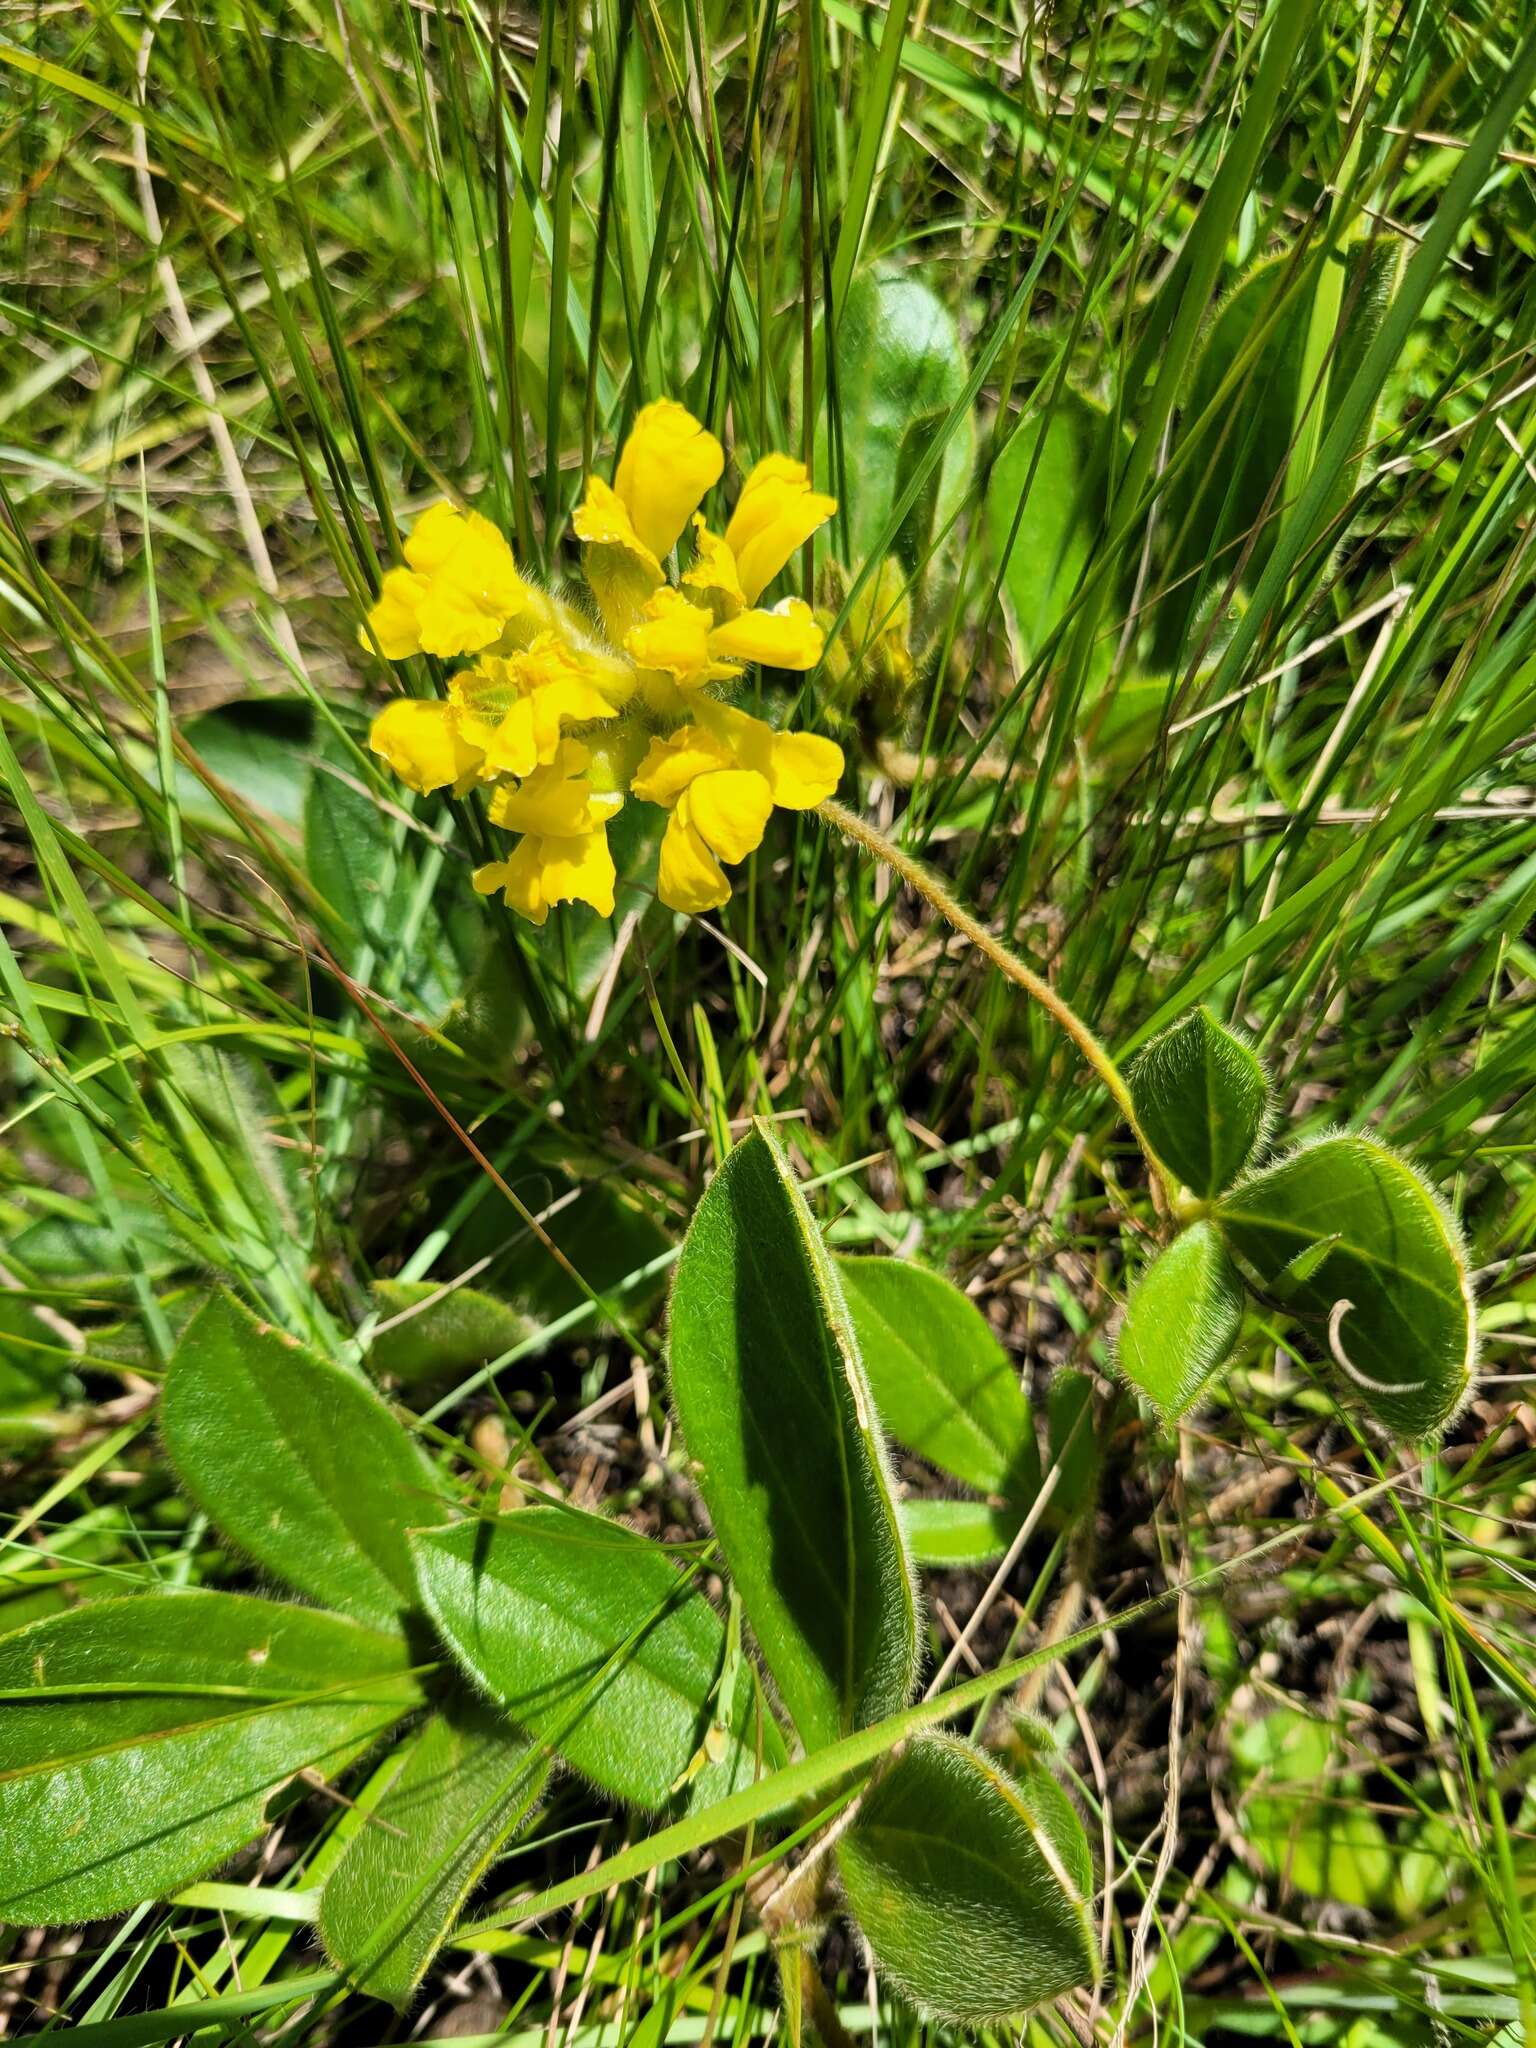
(1008, 963)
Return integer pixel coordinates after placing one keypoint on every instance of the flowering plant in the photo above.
(562, 715)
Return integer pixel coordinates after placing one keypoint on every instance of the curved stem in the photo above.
(933, 891)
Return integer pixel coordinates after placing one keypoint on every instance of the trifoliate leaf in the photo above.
(1181, 1321)
(971, 1885)
(1355, 1243)
(1201, 1098)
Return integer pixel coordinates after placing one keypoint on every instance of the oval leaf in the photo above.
(587, 1634)
(1047, 498)
(943, 1384)
(1181, 1321)
(1202, 1098)
(900, 365)
(466, 1785)
(141, 1739)
(971, 1886)
(778, 1419)
(1352, 1240)
(430, 1333)
(957, 1532)
(297, 1461)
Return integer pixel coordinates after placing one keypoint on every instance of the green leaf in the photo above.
(957, 1532)
(353, 857)
(452, 1334)
(1181, 1321)
(587, 1634)
(1202, 1099)
(141, 1739)
(77, 1251)
(1045, 546)
(971, 1886)
(1304, 1817)
(784, 1438)
(899, 362)
(942, 1383)
(296, 1460)
(260, 748)
(466, 1785)
(1381, 1281)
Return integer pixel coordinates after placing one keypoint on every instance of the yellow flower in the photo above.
(666, 465)
(721, 778)
(776, 513)
(514, 707)
(680, 639)
(456, 596)
(422, 743)
(563, 856)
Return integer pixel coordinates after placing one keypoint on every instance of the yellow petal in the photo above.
(800, 768)
(803, 769)
(569, 700)
(513, 748)
(730, 809)
(674, 636)
(671, 764)
(392, 621)
(667, 464)
(688, 876)
(713, 571)
(482, 696)
(421, 742)
(776, 513)
(471, 585)
(435, 538)
(786, 637)
(559, 807)
(620, 569)
(579, 870)
(520, 877)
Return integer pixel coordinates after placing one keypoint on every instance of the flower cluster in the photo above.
(561, 719)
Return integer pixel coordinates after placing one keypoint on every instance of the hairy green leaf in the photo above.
(1047, 498)
(141, 1739)
(296, 1460)
(957, 1532)
(899, 362)
(1354, 1242)
(779, 1421)
(942, 1383)
(971, 1885)
(468, 1782)
(587, 1634)
(1181, 1321)
(1202, 1098)
(436, 1335)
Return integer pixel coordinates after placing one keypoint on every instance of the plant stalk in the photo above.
(1008, 963)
